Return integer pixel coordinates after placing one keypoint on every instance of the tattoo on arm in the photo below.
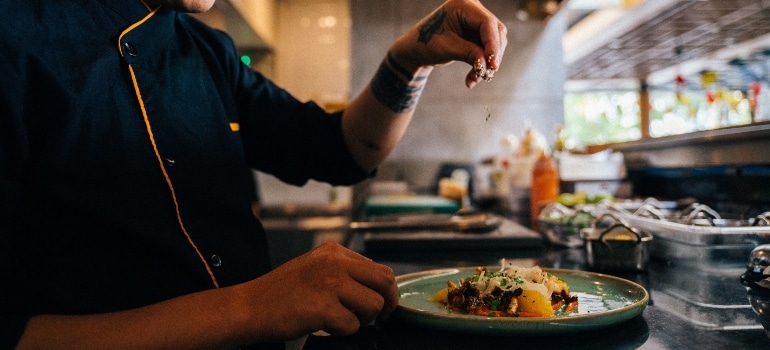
(396, 88)
(434, 25)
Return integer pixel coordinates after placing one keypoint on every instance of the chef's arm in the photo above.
(199, 320)
(348, 290)
(459, 30)
(374, 122)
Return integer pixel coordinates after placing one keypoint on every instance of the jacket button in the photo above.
(216, 261)
(169, 161)
(129, 48)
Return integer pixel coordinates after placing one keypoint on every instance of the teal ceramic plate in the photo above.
(603, 301)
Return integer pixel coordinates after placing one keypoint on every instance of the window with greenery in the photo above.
(603, 117)
(678, 113)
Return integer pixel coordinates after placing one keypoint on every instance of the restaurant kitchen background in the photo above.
(328, 51)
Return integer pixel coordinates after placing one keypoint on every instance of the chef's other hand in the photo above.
(330, 288)
(459, 30)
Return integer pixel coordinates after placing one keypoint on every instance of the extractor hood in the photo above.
(656, 40)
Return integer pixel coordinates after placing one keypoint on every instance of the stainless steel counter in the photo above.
(689, 308)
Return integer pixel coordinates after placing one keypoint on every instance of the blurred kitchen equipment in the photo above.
(757, 279)
(456, 172)
(760, 304)
(693, 237)
(757, 273)
(455, 187)
(505, 234)
(469, 223)
(561, 225)
(409, 204)
(617, 247)
(604, 165)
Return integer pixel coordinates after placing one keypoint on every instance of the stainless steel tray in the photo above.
(700, 235)
(702, 238)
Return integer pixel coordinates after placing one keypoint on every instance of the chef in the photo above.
(128, 134)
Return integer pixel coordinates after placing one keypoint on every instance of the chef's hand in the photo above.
(459, 30)
(330, 288)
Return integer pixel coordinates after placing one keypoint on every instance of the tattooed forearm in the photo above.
(396, 88)
(434, 25)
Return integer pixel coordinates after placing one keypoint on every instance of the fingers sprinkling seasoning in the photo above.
(482, 73)
(479, 69)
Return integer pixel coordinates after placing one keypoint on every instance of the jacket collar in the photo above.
(131, 10)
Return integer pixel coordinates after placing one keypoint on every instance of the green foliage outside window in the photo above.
(603, 117)
(593, 118)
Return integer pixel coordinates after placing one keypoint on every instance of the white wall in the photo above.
(312, 58)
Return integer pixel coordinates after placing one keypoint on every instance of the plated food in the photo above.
(512, 291)
(604, 300)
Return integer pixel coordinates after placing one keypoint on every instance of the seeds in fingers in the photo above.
(479, 69)
(489, 61)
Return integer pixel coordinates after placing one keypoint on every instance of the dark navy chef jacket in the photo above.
(127, 139)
